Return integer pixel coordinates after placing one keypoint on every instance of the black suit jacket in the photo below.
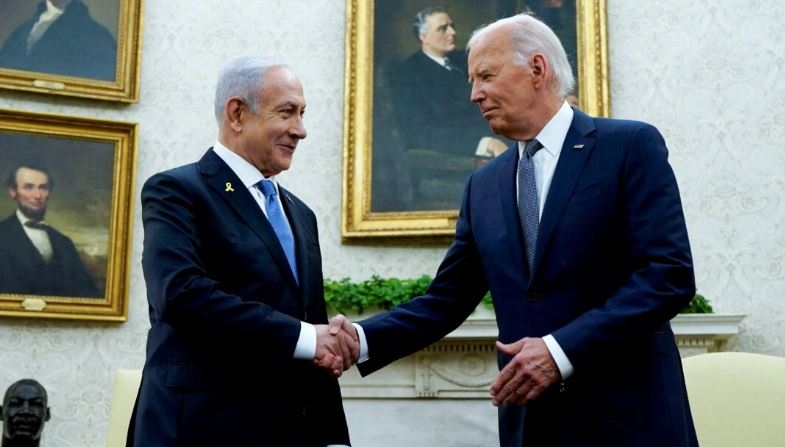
(23, 271)
(612, 266)
(432, 105)
(74, 45)
(225, 315)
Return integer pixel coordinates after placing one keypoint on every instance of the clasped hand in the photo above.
(337, 345)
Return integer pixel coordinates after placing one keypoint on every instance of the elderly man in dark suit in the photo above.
(36, 259)
(62, 39)
(579, 234)
(234, 285)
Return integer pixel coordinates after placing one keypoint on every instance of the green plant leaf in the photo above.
(345, 296)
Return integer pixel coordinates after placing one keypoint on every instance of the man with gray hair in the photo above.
(233, 270)
(579, 234)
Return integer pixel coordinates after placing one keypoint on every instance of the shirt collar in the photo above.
(554, 133)
(52, 11)
(439, 60)
(247, 172)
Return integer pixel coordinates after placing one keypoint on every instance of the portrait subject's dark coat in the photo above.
(23, 270)
(74, 45)
(432, 105)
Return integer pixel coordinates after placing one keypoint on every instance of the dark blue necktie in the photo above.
(528, 204)
(278, 222)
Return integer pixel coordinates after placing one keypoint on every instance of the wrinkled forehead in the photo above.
(489, 50)
(281, 85)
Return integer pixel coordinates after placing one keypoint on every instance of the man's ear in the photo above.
(235, 110)
(1, 412)
(47, 415)
(539, 67)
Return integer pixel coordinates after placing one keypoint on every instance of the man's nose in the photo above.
(477, 94)
(298, 130)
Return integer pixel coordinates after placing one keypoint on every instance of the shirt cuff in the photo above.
(306, 343)
(363, 343)
(565, 366)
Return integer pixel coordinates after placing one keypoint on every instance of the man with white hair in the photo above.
(579, 234)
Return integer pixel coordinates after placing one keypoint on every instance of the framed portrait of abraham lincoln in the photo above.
(65, 220)
(83, 48)
(411, 134)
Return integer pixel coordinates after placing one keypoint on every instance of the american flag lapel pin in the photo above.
(578, 147)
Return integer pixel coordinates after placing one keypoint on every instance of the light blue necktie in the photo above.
(278, 222)
(528, 204)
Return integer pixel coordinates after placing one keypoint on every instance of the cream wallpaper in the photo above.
(709, 74)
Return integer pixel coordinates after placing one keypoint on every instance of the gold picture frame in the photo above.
(362, 219)
(88, 169)
(93, 50)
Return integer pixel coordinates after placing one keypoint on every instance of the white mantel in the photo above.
(463, 364)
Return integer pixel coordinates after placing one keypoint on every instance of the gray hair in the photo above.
(243, 77)
(420, 25)
(530, 35)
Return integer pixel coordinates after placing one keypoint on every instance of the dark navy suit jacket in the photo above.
(225, 315)
(612, 267)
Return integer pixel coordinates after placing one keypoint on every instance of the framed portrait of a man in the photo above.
(86, 48)
(65, 218)
(411, 134)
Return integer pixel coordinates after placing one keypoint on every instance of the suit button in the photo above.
(533, 296)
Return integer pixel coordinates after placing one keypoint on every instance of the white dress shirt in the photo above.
(38, 236)
(46, 19)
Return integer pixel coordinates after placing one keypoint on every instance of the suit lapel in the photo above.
(574, 155)
(228, 186)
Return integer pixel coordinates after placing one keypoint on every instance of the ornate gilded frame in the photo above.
(96, 159)
(359, 221)
(124, 87)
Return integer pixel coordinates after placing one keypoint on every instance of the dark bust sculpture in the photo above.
(24, 412)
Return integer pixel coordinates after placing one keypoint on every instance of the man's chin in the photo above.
(32, 214)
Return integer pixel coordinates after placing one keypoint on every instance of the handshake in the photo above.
(337, 345)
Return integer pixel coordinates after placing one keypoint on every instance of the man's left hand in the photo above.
(531, 371)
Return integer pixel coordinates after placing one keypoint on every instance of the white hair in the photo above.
(529, 36)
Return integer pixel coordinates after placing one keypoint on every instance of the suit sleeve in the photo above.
(455, 292)
(181, 291)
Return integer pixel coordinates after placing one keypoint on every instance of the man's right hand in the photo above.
(337, 345)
